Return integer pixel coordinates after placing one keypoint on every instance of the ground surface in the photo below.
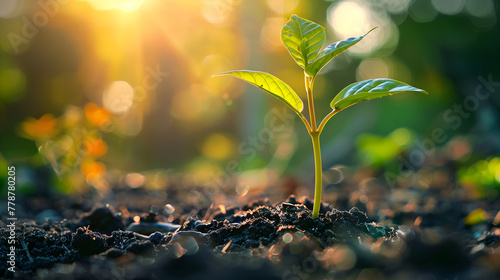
(369, 231)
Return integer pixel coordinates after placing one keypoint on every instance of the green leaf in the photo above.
(370, 89)
(303, 48)
(292, 35)
(330, 52)
(270, 84)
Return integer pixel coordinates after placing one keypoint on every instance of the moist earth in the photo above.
(259, 240)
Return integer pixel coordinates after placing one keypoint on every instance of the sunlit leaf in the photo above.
(304, 48)
(270, 84)
(330, 52)
(292, 35)
(370, 89)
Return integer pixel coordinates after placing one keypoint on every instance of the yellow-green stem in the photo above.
(310, 102)
(313, 131)
(317, 174)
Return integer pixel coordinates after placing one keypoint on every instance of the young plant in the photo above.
(304, 39)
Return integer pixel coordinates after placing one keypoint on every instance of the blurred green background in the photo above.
(101, 88)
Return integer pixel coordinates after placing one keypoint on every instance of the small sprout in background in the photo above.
(304, 40)
(475, 217)
(72, 143)
(482, 178)
(376, 151)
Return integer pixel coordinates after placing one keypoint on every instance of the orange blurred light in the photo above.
(96, 147)
(41, 128)
(93, 170)
(96, 115)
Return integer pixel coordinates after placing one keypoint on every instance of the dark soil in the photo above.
(256, 241)
(99, 236)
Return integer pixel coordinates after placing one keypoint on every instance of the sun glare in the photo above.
(124, 5)
(353, 18)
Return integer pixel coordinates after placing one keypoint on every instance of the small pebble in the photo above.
(169, 208)
(149, 228)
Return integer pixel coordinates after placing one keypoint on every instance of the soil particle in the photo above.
(141, 248)
(101, 220)
(88, 243)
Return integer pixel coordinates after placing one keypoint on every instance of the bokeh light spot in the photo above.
(96, 147)
(275, 250)
(220, 13)
(343, 258)
(41, 128)
(119, 97)
(93, 170)
(218, 146)
(333, 175)
(216, 64)
(288, 237)
(12, 84)
(423, 11)
(354, 18)
(197, 106)
(401, 136)
(135, 180)
(282, 7)
(268, 34)
(96, 115)
(348, 18)
(448, 7)
(397, 6)
(242, 190)
(372, 68)
(480, 8)
(9, 8)
(169, 208)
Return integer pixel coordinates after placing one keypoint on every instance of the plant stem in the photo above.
(318, 173)
(310, 102)
(327, 118)
(304, 120)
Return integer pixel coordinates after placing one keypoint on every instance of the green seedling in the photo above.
(304, 40)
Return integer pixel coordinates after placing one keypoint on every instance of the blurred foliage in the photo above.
(377, 151)
(483, 177)
(71, 144)
(67, 66)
